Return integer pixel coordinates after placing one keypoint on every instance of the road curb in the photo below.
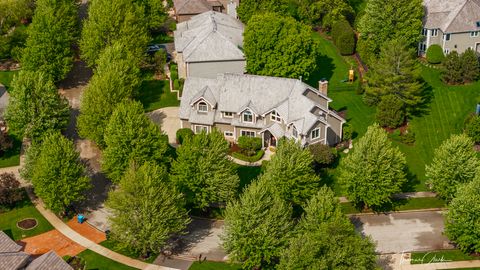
(396, 212)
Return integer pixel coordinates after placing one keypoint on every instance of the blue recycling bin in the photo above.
(80, 218)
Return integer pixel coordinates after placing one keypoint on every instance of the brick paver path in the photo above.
(51, 240)
(87, 231)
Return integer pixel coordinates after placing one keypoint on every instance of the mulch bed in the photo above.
(8, 65)
(27, 224)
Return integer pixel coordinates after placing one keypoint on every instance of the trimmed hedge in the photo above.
(184, 133)
(251, 159)
(344, 37)
(435, 54)
(249, 145)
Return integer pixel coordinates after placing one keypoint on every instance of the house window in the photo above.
(434, 32)
(227, 114)
(446, 51)
(423, 47)
(248, 133)
(276, 117)
(474, 34)
(446, 37)
(315, 134)
(228, 134)
(424, 31)
(478, 24)
(248, 117)
(199, 129)
(202, 107)
(294, 132)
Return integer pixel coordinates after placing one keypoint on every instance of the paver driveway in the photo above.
(403, 232)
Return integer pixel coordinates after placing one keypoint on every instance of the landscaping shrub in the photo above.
(5, 142)
(184, 133)
(10, 191)
(249, 145)
(408, 137)
(470, 66)
(472, 127)
(452, 69)
(256, 157)
(390, 112)
(435, 54)
(347, 132)
(176, 84)
(322, 154)
(344, 37)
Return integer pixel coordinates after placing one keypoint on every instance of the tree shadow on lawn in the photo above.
(423, 108)
(324, 70)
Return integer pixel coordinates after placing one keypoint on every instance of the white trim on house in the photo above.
(229, 132)
(207, 128)
(275, 117)
(199, 99)
(247, 131)
(202, 103)
(311, 134)
(225, 116)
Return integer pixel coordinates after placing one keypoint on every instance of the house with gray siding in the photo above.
(259, 106)
(452, 24)
(185, 9)
(209, 44)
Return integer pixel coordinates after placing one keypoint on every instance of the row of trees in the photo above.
(13, 14)
(261, 231)
(461, 68)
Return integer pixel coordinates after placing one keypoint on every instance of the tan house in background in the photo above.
(260, 106)
(452, 24)
(185, 9)
(209, 44)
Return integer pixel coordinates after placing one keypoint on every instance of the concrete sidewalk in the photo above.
(406, 195)
(401, 261)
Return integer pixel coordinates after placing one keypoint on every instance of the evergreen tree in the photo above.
(50, 37)
(117, 78)
(203, 172)
(291, 173)
(108, 22)
(147, 209)
(279, 46)
(374, 170)
(454, 162)
(57, 174)
(257, 227)
(452, 69)
(35, 106)
(395, 73)
(390, 112)
(470, 66)
(130, 136)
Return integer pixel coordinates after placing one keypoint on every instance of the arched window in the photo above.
(202, 107)
(275, 116)
(248, 116)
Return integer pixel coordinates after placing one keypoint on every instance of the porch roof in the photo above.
(276, 130)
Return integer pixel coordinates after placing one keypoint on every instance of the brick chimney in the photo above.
(323, 87)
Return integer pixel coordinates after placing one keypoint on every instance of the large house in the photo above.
(185, 9)
(208, 44)
(259, 106)
(452, 24)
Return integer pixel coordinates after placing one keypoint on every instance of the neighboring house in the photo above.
(185, 9)
(259, 106)
(12, 258)
(4, 97)
(452, 24)
(209, 44)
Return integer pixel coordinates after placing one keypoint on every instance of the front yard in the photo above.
(96, 261)
(155, 94)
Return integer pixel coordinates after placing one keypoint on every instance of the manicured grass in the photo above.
(440, 256)
(23, 210)
(95, 261)
(401, 205)
(12, 156)
(155, 94)
(214, 266)
(112, 245)
(247, 174)
(6, 77)
(161, 38)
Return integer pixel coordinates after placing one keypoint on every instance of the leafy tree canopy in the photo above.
(324, 12)
(248, 8)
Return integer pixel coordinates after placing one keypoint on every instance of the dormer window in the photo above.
(247, 116)
(202, 107)
(227, 114)
(275, 117)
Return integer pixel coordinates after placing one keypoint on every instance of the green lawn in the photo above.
(12, 156)
(95, 261)
(247, 174)
(112, 245)
(214, 266)
(23, 210)
(6, 77)
(402, 205)
(155, 94)
(440, 256)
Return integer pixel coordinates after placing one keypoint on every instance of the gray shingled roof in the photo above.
(7, 244)
(210, 36)
(235, 92)
(452, 16)
(186, 7)
(49, 261)
(13, 261)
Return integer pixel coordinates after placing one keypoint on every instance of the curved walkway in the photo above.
(406, 195)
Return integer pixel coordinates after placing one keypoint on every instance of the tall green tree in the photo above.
(396, 72)
(108, 22)
(248, 8)
(279, 46)
(452, 68)
(324, 12)
(470, 66)
(53, 30)
(147, 209)
(203, 172)
(35, 105)
(463, 217)
(57, 174)
(374, 170)
(12, 33)
(291, 172)
(155, 12)
(472, 127)
(454, 162)
(384, 20)
(257, 227)
(130, 136)
(117, 78)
